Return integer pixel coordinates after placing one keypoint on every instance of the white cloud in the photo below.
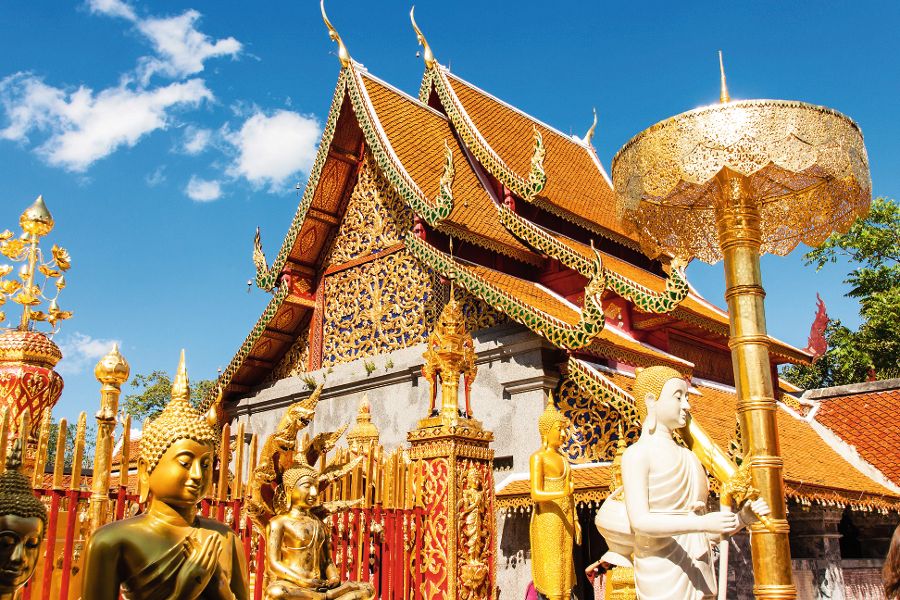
(181, 49)
(112, 8)
(203, 190)
(81, 352)
(271, 149)
(83, 126)
(156, 177)
(195, 140)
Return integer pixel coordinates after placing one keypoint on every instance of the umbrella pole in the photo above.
(738, 223)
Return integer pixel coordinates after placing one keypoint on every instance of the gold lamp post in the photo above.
(27, 356)
(732, 181)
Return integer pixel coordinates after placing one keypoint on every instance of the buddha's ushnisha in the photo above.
(169, 551)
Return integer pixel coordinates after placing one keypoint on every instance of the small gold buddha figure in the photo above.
(23, 522)
(169, 552)
(298, 552)
(554, 526)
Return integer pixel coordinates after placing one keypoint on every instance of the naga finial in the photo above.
(723, 94)
(343, 55)
(590, 132)
(420, 37)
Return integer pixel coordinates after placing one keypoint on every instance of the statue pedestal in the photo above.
(458, 547)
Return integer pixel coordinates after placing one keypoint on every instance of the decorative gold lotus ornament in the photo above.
(732, 181)
(36, 222)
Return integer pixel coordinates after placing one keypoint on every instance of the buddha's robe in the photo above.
(676, 567)
(551, 523)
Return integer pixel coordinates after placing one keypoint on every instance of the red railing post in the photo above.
(420, 524)
(377, 542)
(50, 549)
(71, 518)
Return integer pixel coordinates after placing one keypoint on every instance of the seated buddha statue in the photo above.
(298, 554)
(553, 526)
(169, 551)
(23, 521)
(666, 491)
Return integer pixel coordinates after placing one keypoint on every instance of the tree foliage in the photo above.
(152, 392)
(90, 443)
(873, 244)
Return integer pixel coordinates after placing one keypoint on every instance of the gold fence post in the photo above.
(112, 371)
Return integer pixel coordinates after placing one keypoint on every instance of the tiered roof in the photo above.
(535, 207)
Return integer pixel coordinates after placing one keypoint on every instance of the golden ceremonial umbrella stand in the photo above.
(732, 181)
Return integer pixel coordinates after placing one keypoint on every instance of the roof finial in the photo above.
(343, 55)
(723, 95)
(590, 132)
(420, 37)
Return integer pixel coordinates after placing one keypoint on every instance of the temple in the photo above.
(408, 193)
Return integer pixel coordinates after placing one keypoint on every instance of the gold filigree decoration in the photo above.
(296, 361)
(806, 166)
(474, 535)
(594, 424)
(376, 217)
(378, 306)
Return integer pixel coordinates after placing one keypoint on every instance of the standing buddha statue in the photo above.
(23, 523)
(170, 552)
(554, 526)
(666, 490)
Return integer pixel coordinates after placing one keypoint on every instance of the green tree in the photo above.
(90, 443)
(153, 392)
(873, 244)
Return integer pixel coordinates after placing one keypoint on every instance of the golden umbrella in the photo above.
(732, 181)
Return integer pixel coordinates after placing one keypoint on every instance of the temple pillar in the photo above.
(816, 550)
(458, 542)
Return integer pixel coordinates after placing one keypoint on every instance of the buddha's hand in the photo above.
(577, 533)
(198, 569)
(753, 511)
(719, 523)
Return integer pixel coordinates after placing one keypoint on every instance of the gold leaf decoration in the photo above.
(47, 271)
(37, 315)
(5, 235)
(10, 287)
(5, 270)
(62, 258)
(12, 248)
(26, 299)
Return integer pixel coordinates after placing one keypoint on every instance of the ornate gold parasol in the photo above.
(732, 181)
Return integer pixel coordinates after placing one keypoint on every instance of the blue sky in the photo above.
(162, 134)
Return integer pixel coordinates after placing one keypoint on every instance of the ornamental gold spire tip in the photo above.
(590, 132)
(420, 37)
(723, 94)
(180, 387)
(343, 55)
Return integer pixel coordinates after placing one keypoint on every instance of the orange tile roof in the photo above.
(417, 134)
(812, 468)
(575, 181)
(527, 291)
(134, 449)
(867, 421)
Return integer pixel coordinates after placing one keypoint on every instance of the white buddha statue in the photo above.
(666, 490)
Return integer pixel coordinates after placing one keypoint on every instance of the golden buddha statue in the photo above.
(298, 548)
(554, 526)
(23, 522)
(169, 552)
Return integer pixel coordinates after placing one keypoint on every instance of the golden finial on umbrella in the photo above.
(731, 181)
(35, 222)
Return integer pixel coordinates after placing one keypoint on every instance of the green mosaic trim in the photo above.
(560, 333)
(643, 298)
(267, 278)
(601, 389)
(244, 351)
(526, 188)
(390, 167)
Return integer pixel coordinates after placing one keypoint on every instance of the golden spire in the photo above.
(37, 219)
(723, 95)
(181, 389)
(420, 37)
(343, 55)
(590, 132)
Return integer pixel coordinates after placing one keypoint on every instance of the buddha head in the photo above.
(552, 425)
(301, 485)
(23, 522)
(178, 449)
(661, 397)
